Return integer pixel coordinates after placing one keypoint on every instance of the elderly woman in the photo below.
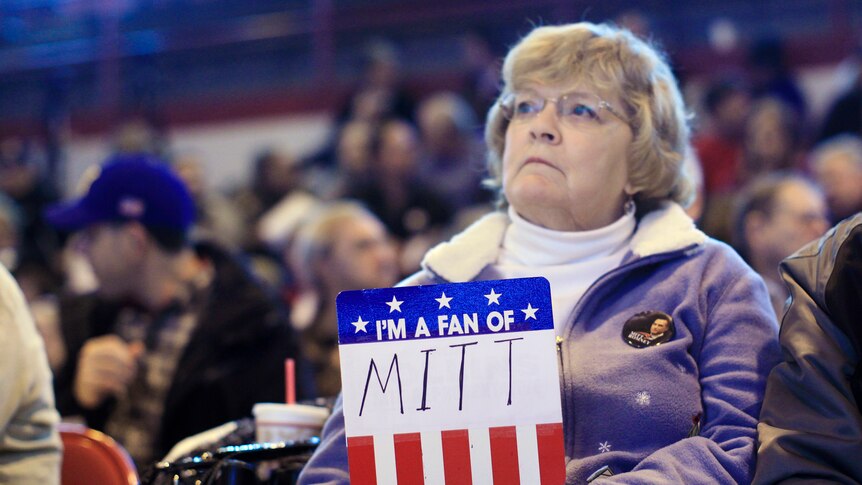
(586, 145)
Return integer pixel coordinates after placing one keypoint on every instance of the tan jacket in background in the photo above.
(30, 447)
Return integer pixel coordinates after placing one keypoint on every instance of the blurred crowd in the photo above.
(775, 178)
(399, 174)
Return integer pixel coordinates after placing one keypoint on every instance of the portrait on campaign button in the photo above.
(648, 329)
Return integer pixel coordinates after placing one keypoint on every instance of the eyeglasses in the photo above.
(573, 108)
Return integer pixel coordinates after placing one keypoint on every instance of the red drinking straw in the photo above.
(289, 381)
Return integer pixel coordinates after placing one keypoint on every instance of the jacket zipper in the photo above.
(579, 308)
(559, 343)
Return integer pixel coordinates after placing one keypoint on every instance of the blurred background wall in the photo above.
(222, 78)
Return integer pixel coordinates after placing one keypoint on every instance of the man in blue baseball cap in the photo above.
(137, 188)
(179, 338)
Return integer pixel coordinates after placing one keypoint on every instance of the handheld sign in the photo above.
(454, 383)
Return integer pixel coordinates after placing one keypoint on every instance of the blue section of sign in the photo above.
(447, 310)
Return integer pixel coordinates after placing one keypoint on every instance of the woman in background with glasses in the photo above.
(586, 145)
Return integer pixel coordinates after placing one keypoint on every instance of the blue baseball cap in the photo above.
(129, 188)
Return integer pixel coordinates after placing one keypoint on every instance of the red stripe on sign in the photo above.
(408, 459)
(456, 457)
(360, 459)
(504, 456)
(552, 458)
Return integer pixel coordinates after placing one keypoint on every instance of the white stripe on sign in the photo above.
(432, 457)
(384, 459)
(528, 454)
(480, 455)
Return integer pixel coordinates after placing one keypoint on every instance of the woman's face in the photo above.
(566, 175)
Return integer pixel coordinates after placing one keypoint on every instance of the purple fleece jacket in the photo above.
(633, 409)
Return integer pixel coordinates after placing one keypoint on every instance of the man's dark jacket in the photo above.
(811, 420)
(234, 357)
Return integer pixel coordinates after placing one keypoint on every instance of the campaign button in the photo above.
(648, 329)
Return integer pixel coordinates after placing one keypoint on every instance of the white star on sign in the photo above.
(493, 297)
(604, 447)
(394, 305)
(360, 325)
(530, 312)
(444, 301)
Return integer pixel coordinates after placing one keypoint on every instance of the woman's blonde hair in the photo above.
(611, 60)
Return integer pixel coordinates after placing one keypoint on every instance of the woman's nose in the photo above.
(544, 127)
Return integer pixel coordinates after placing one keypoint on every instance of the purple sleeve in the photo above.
(739, 348)
(328, 465)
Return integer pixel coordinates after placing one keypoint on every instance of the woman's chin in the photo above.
(533, 194)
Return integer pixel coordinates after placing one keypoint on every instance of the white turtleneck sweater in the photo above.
(571, 261)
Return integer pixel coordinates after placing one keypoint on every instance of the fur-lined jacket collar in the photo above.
(462, 258)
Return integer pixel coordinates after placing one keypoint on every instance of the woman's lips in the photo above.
(538, 160)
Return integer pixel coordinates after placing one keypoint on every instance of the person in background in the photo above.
(30, 447)
(810, 427)
(454, 164)
(380, 92)
(482, 69)
(720, 146)
(24, 178)
(340, 247)
(771, 76)
(285, 200)
(352, 164)
(772, 134)
(272, 207)
(772, 137)
(411, 212)
(178, 337)
(139, 134)
(586, 146)
(217, 218)
(394, 192)
(275, 176)
(41, 304)
(837, 165)
(776, 215)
